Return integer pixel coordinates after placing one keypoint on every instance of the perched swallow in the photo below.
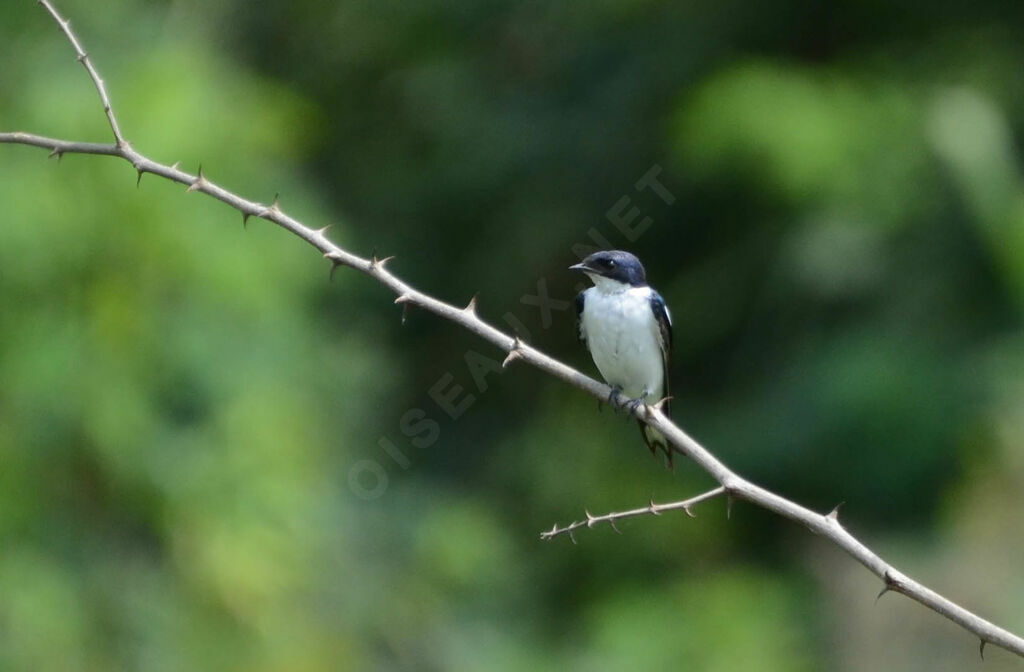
(627, 328)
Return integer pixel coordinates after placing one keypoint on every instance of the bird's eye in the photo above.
(610, 263)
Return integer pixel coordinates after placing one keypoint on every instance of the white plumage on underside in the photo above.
(624, 338)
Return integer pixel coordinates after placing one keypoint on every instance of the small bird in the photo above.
(627, 328)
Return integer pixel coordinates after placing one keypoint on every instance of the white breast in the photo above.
(624, 339)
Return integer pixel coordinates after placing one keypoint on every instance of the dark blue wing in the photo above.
(664, 321)
(579, 318)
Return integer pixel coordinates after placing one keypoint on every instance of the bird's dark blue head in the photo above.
(615, 265)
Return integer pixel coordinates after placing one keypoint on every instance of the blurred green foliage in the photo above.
(188, 408)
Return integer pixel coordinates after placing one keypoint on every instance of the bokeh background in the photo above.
(211, 458)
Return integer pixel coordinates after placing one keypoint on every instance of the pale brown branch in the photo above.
(83, 58)
(651, 509)
(732, 485)
(60, 147)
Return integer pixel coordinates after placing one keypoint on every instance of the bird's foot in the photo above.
(633, 404)
(612, 398)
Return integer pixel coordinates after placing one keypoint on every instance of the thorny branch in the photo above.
(651, 509)
(732, 485)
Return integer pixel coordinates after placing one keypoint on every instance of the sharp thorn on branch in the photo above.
(728, 506)
(653, 508)
(689, 512)
(58, 152)
(273, 209)
(513, 353)
(572, 535)
(327, 255)
(376, 263)
(833, 515)
(889, 585)
(245, 219)
(405, 313)
(611, 521)
(176, 165)
(981, 649)
(138, 180)
(323, 231)
(81, 57)
(198, 182)
(471, 306)
(590, 518)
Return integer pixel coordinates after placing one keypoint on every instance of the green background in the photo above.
(189, 410)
